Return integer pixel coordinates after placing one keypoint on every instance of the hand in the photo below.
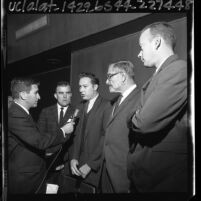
(59, 167)
(130, 117)
(68, 128)
(137, 111)
(85, 169)
(73, 164)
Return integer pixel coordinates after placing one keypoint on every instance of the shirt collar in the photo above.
(127, 92)
(166, 62)
(25, 109)
(64, 108)
(91, 101)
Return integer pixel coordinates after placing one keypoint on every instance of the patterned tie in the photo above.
(117, 104)
(61, 116)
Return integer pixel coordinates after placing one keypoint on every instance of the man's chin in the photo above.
(111, 90)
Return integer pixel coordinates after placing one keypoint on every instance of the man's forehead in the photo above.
(85, 80)
(112, 69)
(63, 88)
(145, 35)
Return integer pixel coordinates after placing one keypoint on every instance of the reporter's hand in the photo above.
(68, 128)
(73, 164)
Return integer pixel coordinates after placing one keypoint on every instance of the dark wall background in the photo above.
(61, 29)
(95, 59)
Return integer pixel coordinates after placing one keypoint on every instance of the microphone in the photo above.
(74, 118)
(75, 115)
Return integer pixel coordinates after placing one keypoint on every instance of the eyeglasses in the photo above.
(109, 76)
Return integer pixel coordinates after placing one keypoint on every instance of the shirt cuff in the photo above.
(63, 133)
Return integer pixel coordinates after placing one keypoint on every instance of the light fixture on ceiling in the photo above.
(32, 27)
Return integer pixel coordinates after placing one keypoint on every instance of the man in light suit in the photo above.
(49, 121)
(120, 78)
(89, 134)
(159, 160)
(26, 144)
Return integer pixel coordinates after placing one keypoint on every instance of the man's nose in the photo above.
(140, 54)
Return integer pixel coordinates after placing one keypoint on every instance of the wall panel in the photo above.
(62, 29)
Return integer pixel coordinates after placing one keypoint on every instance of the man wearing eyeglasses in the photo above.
(120, 79)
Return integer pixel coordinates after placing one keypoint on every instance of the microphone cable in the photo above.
(46, 172)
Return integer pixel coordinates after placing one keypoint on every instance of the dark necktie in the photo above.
(61, 116)
(117, 104)
(86, 106)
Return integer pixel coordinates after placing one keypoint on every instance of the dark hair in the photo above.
(126, 66)
(22, 84)
(163, 29)
(62, 83)
(94, 79)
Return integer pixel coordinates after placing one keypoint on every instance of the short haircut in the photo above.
(93, 78)
(163, 29)
(62, 84)
(126, 66)
(22, 84)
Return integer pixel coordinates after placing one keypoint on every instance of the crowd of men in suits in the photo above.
(136, 143)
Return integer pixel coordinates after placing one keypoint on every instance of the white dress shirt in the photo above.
(91, 103)
(127, 92)
(59, 110)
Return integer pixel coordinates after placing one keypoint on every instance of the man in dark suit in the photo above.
(120, 78)
(89, 134)
(159, 160)
(26, 144)
(50, 119)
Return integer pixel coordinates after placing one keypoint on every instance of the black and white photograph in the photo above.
(98, 100)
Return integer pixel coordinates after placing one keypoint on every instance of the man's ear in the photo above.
(95, 86)
(23, 95)
(124, 76)
(55, 95)
(157, 42)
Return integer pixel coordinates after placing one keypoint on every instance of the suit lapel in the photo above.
(28, 116)
(68, 113)
(92, 114)
(147, 88)
(166, 63)
(123, 105)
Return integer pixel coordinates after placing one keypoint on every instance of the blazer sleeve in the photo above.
(42, 121)
(25, 130)
(164, 103)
